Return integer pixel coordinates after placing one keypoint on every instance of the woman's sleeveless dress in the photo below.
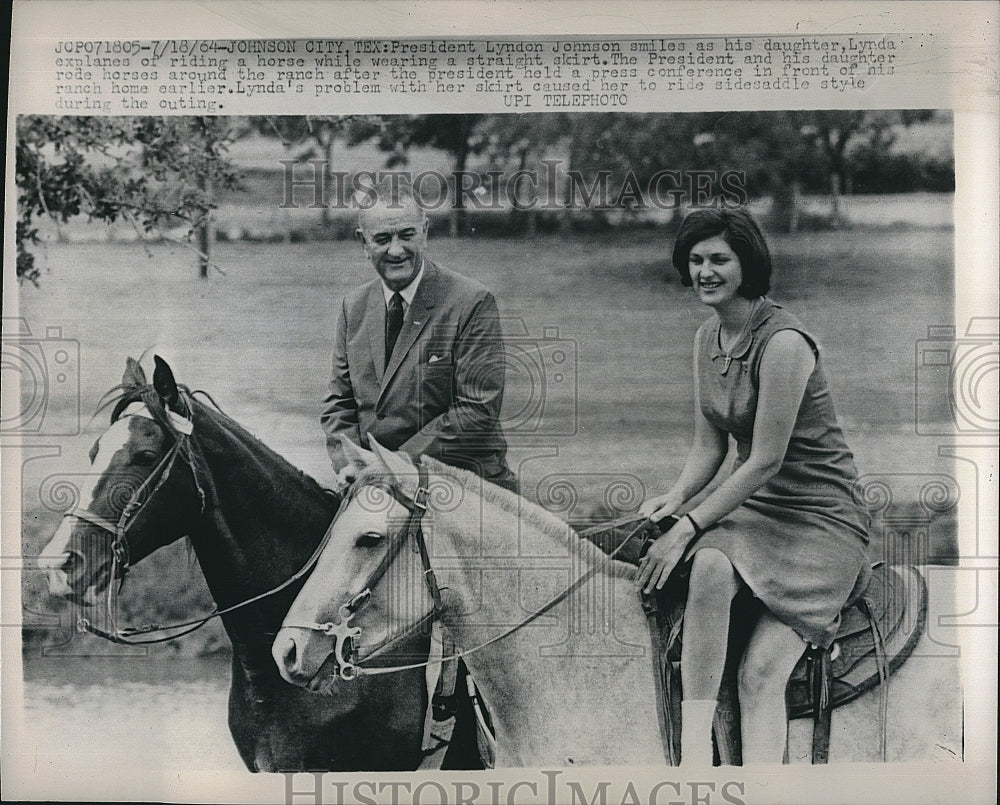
(799, 541)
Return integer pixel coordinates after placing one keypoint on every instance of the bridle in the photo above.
(345, 635)
(118, 530)
(181, 429)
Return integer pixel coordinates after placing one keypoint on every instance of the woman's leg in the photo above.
(713, 585)
(767, 663)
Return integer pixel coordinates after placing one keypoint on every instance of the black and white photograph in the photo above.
(456, 418)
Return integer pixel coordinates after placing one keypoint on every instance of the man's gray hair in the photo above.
(392, 191)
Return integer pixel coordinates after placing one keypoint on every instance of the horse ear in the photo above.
(398, 465)
(355, 454)
(134, 377)
(164, 383)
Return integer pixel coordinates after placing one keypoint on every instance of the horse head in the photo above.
(139, 494)
(170, 466)
(369, 589)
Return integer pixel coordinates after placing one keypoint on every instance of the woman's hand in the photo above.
(663, 556)
(659, 507)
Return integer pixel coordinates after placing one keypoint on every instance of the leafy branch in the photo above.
(153, 171)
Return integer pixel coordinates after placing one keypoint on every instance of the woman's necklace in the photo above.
(728, 353)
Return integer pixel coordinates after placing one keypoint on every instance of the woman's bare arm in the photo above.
(707, 452)
(786, 365)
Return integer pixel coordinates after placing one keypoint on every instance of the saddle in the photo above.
(878, 631)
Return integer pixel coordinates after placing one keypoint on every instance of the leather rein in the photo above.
(180, 428)
(342, 631)
(349, 663)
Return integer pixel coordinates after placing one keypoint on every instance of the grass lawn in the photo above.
(614, 415)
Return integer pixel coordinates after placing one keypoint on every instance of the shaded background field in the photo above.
(589, 437)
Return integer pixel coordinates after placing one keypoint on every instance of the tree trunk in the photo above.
(837, 148)
(566, 219)
(786, 206)
(836, 212)
(532, 229)
(456, 221)
(327, 176)
(795, 207)
(206, 234)
(531, 214)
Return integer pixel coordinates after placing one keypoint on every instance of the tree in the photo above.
(314, 137)
(456, 135)
(154, 172)
(783, 152)
(518, 143)
(771, 150)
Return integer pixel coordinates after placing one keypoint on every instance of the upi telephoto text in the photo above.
(222, 76)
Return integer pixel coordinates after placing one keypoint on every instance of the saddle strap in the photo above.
(882, 663)
(820, 674)
(662, 673)
(484, 732)
(440, 682)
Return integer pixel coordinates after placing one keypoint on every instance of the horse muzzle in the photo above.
(58, 582)
(315, 655)
(67, 577)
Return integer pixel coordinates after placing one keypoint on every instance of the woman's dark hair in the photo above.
(740, 231)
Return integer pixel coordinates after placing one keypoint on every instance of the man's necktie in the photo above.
(393, 324)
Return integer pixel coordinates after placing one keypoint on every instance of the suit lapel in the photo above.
(374, 323)
(414, 322)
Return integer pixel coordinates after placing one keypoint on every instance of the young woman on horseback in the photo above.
(784, 523)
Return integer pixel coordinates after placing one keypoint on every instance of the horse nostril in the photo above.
(285, 654)
(75, 564)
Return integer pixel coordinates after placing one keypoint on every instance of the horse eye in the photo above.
(144, 458)
(369, 539)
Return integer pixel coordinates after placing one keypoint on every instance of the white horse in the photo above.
(574, 685)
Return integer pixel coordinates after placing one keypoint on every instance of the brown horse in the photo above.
(169, 466)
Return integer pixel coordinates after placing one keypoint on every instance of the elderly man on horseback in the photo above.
(418, 353)
(418, 364)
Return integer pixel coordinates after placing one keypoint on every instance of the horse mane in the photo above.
(199, 411)
(235, 429)
(528, 513)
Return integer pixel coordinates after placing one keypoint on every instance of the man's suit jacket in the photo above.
(440, 393)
